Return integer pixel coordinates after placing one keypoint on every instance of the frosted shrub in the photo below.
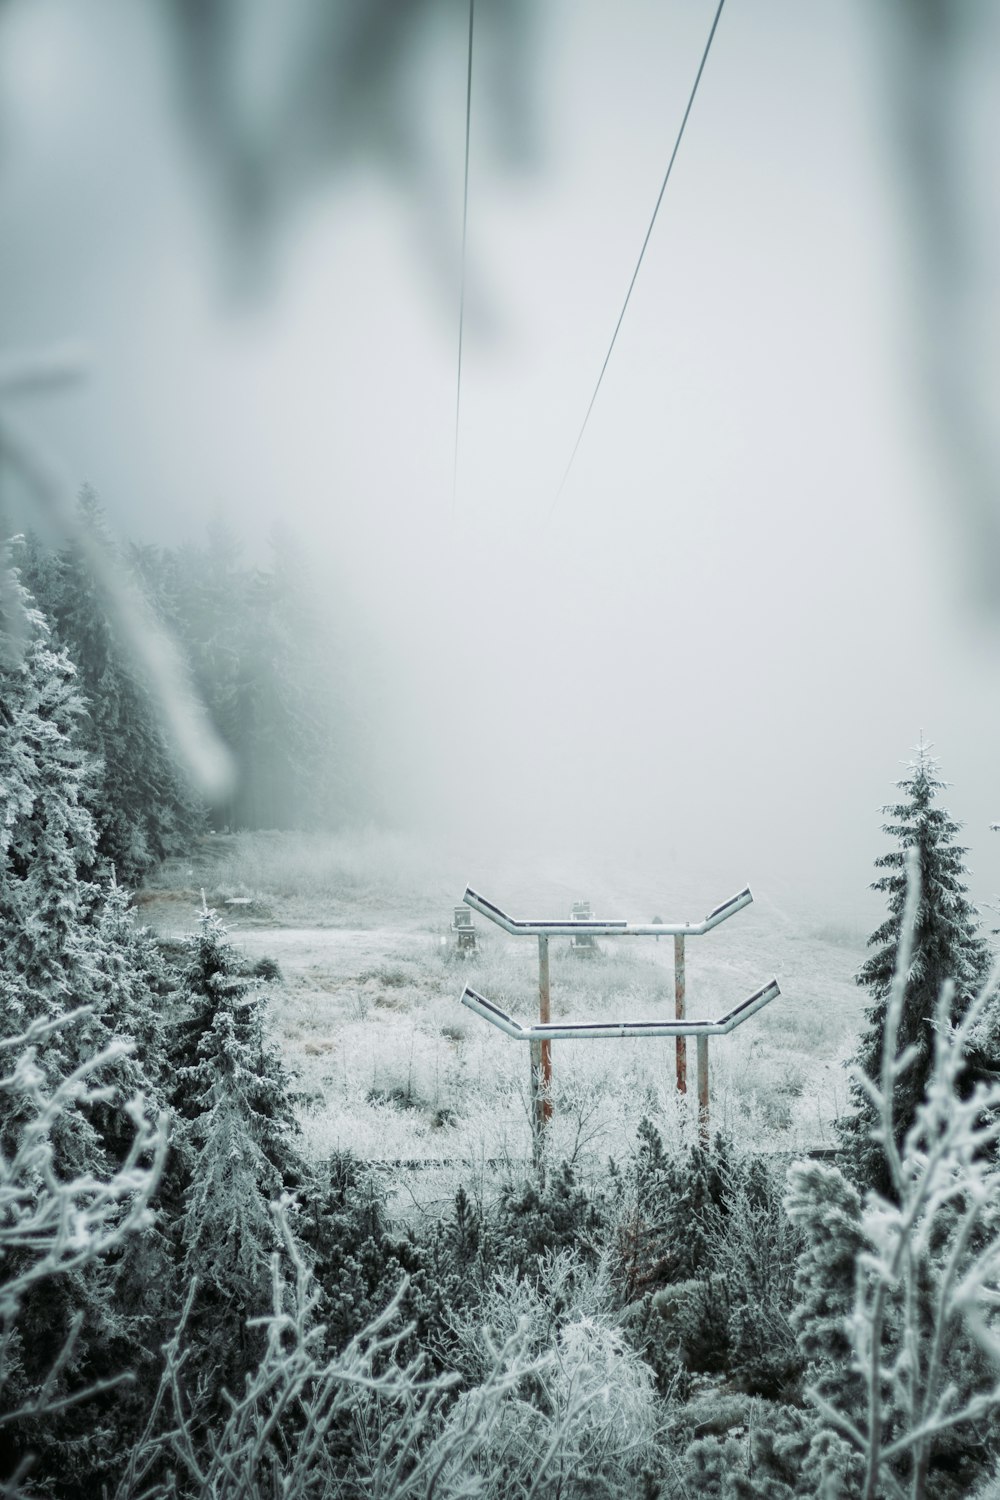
(588, 1416)
(52, 1225)
(598, 1368)
(357, 1424)
(564, 1289)
(752, 1249)
(921, 1320)
(705, 1261)
(49, 1225)
(590, 1413)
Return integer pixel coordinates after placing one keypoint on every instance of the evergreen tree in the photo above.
(64, 941)
(234, 1135)
(678, 1197)
(947, 945)
(47, 837)
(826, 1209)
(357, 1260)
(63, 949)
(141, 806)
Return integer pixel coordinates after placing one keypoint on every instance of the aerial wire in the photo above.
(638, 264)
(465, 228)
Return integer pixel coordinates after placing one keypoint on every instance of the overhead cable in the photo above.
(465, 227)
(642, 252)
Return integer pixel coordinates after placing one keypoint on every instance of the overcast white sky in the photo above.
(745, 606)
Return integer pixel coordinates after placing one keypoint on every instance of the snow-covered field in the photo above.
(391, 1066)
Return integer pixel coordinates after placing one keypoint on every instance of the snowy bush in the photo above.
(752, 1249)
(587, 1422)
(54, 1225)
(706, 1259)
(563, 1289)
(359, 1423)
(51, 1224)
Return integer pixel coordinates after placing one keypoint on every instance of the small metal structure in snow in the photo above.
(583, 943)
(540, 1036)
(464, 929)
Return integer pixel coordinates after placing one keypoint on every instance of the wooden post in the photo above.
(703, 1089)
(679, 993)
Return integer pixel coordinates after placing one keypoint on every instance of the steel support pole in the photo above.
(703, 1089)
(544, 1016)
(679, 994)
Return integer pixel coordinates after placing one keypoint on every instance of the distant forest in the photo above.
(261, 655)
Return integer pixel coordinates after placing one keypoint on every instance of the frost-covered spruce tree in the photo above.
(130, 986)
(234, 1134)
(47, 838)
(57, 958)
(65, 942)
(947, 945)
(143, 810)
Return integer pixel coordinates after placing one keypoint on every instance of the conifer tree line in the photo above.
(191, 1307)
(261, 657)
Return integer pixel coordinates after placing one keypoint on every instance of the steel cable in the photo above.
(465, 228)
(638, 264)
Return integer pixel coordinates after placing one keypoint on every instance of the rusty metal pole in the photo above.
(679, 994)
(703, 1089)
(535, 1103)
(541, 1060)
(544, 1017)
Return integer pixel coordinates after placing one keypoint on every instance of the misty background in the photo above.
(773, 563)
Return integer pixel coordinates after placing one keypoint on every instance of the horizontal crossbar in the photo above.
(573, 926)
(595, 1030)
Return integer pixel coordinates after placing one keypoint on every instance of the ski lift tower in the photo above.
(540, 1037)
(583, 943)
(464, 929)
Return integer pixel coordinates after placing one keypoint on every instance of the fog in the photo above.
(773, 564)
